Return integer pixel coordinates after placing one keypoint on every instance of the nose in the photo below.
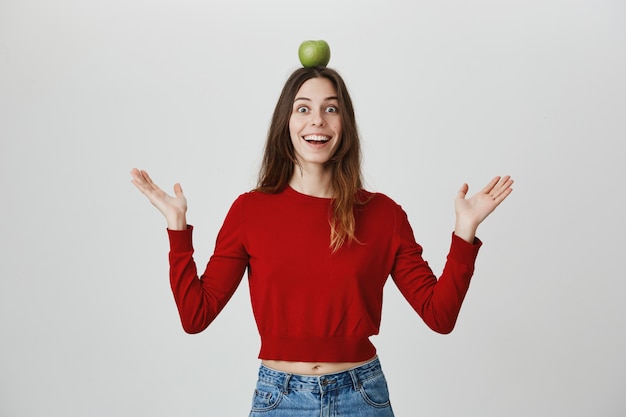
(317, 119)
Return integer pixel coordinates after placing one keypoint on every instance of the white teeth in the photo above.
(317, 138)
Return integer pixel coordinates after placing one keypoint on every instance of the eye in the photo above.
(302, 109)
(332, 109)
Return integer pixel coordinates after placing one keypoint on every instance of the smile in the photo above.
(316, 138)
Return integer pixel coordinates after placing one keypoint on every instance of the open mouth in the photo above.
(317, 139)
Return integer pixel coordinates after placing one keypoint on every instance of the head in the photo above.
(280, 159)
(315, 125)
(280, 156)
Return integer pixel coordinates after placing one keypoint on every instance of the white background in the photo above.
(446, 92)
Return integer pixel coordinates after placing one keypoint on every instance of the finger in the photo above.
(502, 196)
(146, 177)
(138, 179)
(489, 187)
(139, 175)
(503, 181)
(148, 188)
(503, 185)
(141, 186)
(150, 185)
(136, 174)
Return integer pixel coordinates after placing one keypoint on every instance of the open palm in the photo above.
(472, 211)
(173, 208)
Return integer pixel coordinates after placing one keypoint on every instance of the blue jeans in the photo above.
(358, 392)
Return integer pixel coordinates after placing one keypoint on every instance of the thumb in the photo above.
(178, 190)
(463, 191)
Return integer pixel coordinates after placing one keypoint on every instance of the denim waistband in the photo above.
(324, 383)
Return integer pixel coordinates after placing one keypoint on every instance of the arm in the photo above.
(438, 301)
(199, 300)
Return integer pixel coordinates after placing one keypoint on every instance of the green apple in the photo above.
(314, 53)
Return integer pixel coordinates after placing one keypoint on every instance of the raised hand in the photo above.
(173, 208)
(470, 212)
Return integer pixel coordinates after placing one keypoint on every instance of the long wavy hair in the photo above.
(279, 158)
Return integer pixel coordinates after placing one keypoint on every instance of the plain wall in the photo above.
(446, 92)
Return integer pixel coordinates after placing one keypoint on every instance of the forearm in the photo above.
(199, 300)
(437, 301)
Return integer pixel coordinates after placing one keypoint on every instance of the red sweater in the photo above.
(311, 304)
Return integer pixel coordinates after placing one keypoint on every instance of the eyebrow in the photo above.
(308, 99)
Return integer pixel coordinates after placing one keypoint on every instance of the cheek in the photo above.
(292, 132)
(338, 129)
(294, 128)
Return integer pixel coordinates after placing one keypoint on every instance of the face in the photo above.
(315, 123)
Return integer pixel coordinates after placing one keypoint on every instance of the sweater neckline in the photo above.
(291, 192)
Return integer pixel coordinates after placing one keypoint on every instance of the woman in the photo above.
(318, 249)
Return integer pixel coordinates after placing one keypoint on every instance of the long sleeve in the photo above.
(437, 301)
(200, 299)
(309, 303)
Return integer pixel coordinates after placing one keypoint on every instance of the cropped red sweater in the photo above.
(309, 303)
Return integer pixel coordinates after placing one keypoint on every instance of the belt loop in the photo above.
(286, 383)
(355, 380)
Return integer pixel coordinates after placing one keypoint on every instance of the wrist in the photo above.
(177, 223)
(465, 231)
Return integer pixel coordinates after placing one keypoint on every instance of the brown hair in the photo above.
(279, 157)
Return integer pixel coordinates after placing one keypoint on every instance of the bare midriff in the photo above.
(312, 368)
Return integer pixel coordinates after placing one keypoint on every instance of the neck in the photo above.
(315, 182)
